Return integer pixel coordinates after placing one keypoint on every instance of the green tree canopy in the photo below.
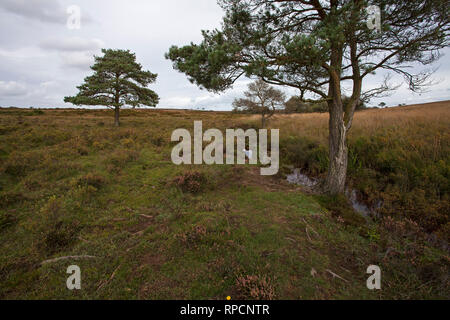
(118, 80)
(318, 46)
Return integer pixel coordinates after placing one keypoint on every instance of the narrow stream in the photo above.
(297, 177)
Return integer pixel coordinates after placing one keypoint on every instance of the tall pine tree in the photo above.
(317, 47)
(118, 80)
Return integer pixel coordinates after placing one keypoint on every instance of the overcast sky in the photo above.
(42, 60)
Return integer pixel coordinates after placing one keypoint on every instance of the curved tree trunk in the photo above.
(337, 171)
(116, 116)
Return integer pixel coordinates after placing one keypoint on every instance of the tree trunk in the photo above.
(337, 171)
(116, 116)
(263, 122)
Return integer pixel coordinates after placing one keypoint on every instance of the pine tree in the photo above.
(118, 80)
(317, 47)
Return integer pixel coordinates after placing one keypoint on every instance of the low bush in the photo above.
(91, 179)
(191, 182)
(255, 287)
(193, 237)
(57, 231)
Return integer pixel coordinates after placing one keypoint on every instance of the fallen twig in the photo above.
(138, 234)
(109, 280)
(310, 227)
(290, 239)
(307, 233)
(335, 275)
(66, 258)
(84, 240)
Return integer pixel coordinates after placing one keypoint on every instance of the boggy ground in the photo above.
(73, 185)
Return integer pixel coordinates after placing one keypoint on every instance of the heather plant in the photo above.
(192, 182)
(255, 287)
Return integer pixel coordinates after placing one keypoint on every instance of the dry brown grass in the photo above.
(367, 122)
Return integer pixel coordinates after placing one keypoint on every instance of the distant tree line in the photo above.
(297, 105)
(263, 99)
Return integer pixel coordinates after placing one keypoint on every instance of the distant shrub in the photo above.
(35, 112)
(296, 105)
(192, 182)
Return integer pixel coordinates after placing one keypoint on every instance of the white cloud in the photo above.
(75, 52)
(206, 99)
(12, 89)
(42, 10)
(78, 60)
(47, 11)
(71, 44)
(21, 53)
(177, 102)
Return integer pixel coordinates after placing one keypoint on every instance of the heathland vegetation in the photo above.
(73, 185)
(74, 188)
